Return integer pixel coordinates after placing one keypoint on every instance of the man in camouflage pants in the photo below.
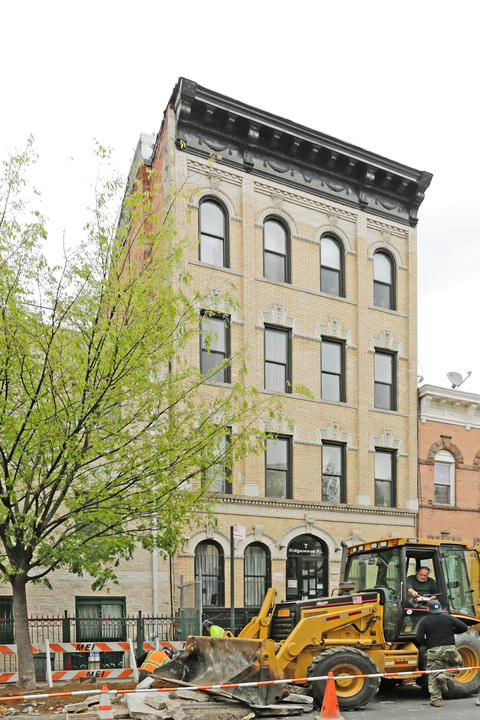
(437, 631)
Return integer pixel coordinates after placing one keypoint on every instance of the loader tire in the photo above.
(466, 682)
(352, 693)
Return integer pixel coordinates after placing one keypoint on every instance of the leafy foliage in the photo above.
(105, 428)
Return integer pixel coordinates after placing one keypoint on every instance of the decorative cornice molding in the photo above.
(450, 406)
(335, 432)
(277, 316)
(387, 440)
(268, 146)
(333, 329)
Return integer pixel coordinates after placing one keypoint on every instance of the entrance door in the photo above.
(307, 568)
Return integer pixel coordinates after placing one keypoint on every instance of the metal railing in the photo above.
(139, 628)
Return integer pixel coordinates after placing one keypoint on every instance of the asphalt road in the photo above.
(409, 701)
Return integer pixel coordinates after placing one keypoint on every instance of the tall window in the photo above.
(218, 475)
(385, 380)
(256, 573)
(385, 478)
(277, 360)
(209, 564)
(276, 264)
(332, 279)
(333, 370)
(213, 231)
(214, 346)
(444, 478)
(383, 280)
(333, 473)
(278, 467)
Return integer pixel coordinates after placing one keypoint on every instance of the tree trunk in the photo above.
(25, 664)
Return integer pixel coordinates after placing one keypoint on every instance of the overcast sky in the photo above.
(400, 79)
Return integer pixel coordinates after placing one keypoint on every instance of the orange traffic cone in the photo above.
(330, 703)
(105, 711)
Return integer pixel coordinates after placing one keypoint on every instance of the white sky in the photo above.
(400, 79)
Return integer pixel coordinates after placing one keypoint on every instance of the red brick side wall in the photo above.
(462, 521)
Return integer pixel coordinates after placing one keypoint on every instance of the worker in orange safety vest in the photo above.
(154, 659)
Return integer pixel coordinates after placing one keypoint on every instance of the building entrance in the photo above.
(307, 568)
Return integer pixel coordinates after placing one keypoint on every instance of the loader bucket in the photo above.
(218, 661)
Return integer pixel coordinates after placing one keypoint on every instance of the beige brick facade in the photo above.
(363, 220)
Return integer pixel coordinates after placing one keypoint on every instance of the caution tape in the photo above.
(257, 683)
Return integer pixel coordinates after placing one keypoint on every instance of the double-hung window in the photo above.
(444, 478)
(215, 347)
(383, 280)
(385, 478)
(333, 370)
(213, 231)
(385, 380)
(257, 573)
(217, 476)
(210, 567)
(278, 467)
(333, 473)
(332, 277)
(276, 264)
(277, 359)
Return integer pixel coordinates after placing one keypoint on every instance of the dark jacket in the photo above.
(438, 629)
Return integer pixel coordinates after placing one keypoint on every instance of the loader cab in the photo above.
(386, 565)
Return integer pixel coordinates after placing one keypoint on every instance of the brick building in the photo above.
(449, 464)
(319, 237)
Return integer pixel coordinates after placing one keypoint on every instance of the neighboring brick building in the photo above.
(449, 464)
(319, 238)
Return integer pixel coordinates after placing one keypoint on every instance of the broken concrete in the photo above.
(282, 709)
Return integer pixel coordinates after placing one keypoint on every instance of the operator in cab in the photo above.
(421, 585)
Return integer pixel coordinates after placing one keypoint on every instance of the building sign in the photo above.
(278, 577)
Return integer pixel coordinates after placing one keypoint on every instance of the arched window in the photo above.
(444, 478)
(332, 280)
(276, 251)
(256, 573)
(213, 232)
(209, 563)
(384, 280)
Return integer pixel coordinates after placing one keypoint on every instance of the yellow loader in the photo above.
(368, 628)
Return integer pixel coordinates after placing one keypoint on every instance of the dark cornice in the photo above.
(257, 142)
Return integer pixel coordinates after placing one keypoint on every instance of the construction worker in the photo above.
(213, 630)
(152, 660)
(437, 630)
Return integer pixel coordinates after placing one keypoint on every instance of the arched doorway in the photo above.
(307, 568)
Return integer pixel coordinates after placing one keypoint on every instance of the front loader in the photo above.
(367, 629)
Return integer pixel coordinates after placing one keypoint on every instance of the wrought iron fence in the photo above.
(139, 628)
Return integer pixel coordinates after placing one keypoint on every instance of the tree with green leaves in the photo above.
(106, 431)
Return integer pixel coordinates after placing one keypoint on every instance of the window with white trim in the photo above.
(444, 478)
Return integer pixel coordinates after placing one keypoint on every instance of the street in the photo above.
(395, 703)
(406, 701)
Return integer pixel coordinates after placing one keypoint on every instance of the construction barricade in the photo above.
(48, 651)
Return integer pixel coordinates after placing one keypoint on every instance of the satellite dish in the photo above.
(456, 379)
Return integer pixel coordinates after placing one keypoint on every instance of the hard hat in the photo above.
(434, 607)
(207, 623)
(168, 650)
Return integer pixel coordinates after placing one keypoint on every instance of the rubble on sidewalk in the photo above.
(148, 704)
